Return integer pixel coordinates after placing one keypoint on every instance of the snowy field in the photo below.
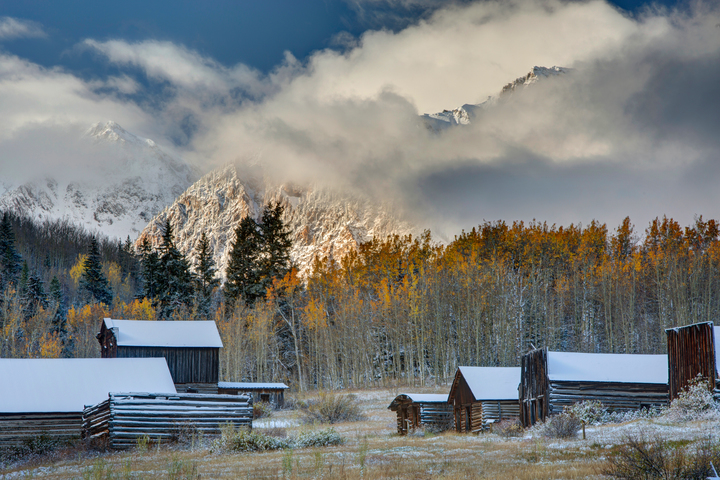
(372, 450)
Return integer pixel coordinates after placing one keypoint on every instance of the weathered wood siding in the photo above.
(187, 365)
(691, 352)
(534, 387)
(18, 428)
(472, 415)
(434, 415)
(123, 418)
(274, 397)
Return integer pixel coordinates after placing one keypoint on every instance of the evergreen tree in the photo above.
(275, 263)
(93, 281)
(243, 274)
(57, 299)
(205, 277)
(176, 282)
(150, 271)
(9, 257)
(34, 296)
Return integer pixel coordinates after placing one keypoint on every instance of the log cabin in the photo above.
(191, 348)
(47, 396)
(484, 395)
(272, 393)
(416, 410)
(692, 351)
(551, 381)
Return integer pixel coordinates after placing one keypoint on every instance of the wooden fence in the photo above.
(125, 417)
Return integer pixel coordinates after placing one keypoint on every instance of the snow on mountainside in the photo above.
(323, 223)
(464, 115)
(134, 180)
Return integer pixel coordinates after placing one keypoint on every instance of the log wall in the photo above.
(18, 428)
(123, 418)
(691, 352)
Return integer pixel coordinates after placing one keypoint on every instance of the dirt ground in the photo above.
(372, 450)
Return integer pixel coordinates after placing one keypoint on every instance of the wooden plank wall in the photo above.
(496, 410)
(618, 397)
(691, 352)
(187, 365)
(411, 415)
(534, 387)
(276, 396)
(18, 428)
(123, 418)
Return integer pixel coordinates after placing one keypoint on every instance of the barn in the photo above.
(426, 410)
(692, 351)
(483, 395)
(191, 348)
(551, 381)
(272, 393)
(47, 396)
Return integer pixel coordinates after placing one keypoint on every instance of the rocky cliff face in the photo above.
(132, 181)
(324, 223)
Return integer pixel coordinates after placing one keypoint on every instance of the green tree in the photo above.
(275, 261)
(243, 275)
(176, 281)
(206, 280)
(92, 280)
(34, 296)
(9, 257)
(149, 271)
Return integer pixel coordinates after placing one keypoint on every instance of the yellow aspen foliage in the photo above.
(50, 346)
(83, 324)
(77, 270)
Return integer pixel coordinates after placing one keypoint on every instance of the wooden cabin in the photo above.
(122, 418)
(272, 393)
(47, 396)
(415, 410)
(551, 381)
(692, 351)
(483, 395)
(191, 348)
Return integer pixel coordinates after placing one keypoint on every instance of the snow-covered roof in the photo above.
(492, 383)
(608, 367)
(252, 385)
(151, 333)
(426, 397)
(69, 384)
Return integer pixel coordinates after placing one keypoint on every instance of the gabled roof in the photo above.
(607, 367)
(69, 384)
(418, 398)
(253, 385)
(151, 333)
(489, 383)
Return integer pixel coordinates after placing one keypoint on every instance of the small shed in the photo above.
(692, 351)
(47, 396)
(122, 418)
(416, 410)
(551, 381)
(483, 395)
(191, 348)
(272, 393)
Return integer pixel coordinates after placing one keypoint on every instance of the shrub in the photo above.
(319, 438)
(564, 425)
(695, 402)
(262, 410)
(643, 460)
(331, 408)
(508, 428)
(592, 412)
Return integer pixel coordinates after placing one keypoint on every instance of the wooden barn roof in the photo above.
(151, 333)
(607, 367)
(69, 384)
(489, 383)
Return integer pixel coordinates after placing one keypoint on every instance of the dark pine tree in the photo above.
(275, 262)
(206, 280)
(9, 257)
(176, 282)
(93, 281)
(57, 301)
(243, 278)
(150, 272)
(34, 296)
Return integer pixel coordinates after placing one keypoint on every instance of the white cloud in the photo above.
(15, 28)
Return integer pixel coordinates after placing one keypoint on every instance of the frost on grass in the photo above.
(244, 440)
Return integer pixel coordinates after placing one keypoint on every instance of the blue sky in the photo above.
(330, 91)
